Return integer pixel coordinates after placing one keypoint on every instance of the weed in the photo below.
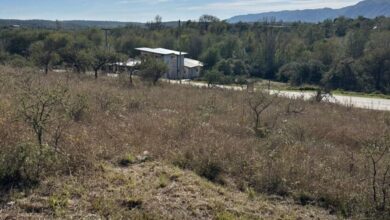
(163, 180)
(127, 160)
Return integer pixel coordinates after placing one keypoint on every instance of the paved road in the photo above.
(354, 101)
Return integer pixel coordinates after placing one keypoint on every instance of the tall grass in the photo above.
(321, 154)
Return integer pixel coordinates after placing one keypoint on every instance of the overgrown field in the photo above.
(64, 126)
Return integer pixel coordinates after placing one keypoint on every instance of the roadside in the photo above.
(371, 103)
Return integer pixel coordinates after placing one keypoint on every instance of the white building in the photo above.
(173, 59)
(119, 67)
(192, 68)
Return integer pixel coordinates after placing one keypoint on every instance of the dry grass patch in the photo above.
(136, 193)
(318, 153)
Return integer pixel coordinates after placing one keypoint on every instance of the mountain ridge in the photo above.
(366, 8)
(69, 24)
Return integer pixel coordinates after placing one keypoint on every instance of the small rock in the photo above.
(144, 157)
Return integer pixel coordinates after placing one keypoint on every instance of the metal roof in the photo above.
(162, 51)
(129, 63)
(190, 63)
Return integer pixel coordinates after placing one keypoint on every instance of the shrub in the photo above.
(127, 160)
(163, 180)
(211, 171)
(77, 108)
(151, 70)
(22, 165)
(213, 77)
(300, 73)
(107, 101)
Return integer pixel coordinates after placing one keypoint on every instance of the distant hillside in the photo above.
(367, 8)
(76, 24)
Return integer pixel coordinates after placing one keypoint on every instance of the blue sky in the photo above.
(144, 10)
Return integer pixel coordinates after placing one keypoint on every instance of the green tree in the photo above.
(210, 58)
(228, 47)
(328, 28)
(356, 41)
(195, 46)
(342, 76)
(376, 62)
(291, 72)
(341, 26)
(325, 51)
(42, 57)
(45, 53)
(225, 67)
(19, 41)
(151, 70)
(268, 50)
(240, 68)
(77, 53)
(206, 20)
(213, 77)
(310, 72)
(101, 58)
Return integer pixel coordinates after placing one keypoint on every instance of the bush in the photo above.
(152, 70)
(224, 67)
(127, 160)
(78, 107)
(211, 171)
(343, 76)
(300, 73)
(213, 77)
(18, 61)
(22, 165)
(226, 80)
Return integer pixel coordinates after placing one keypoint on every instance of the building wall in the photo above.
(192, 73)
(171, 60)
(176, 66)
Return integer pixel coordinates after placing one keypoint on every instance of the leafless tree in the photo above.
(378, 154)
(40, 107)
(258, 103)
(295, 106)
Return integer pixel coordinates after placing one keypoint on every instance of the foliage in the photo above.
(297, 74)
(210, 57)
(38, 107)
(261, 49)
(152, 70)
(21, 165)
(213, 77)
(100, 58)
(343, 76)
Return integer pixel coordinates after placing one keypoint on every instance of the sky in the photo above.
(146, 10)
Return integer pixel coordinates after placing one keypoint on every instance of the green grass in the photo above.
(308, 88)
(361, 94)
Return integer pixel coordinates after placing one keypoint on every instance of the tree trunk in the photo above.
(46, 69)
(96, 73)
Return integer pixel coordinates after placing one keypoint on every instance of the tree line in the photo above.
(348, 54)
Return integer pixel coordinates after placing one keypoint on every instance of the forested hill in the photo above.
(347, 54)
(75, 24)
(367, 8)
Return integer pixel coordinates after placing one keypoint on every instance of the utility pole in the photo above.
(179, 59)
(106, 30)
